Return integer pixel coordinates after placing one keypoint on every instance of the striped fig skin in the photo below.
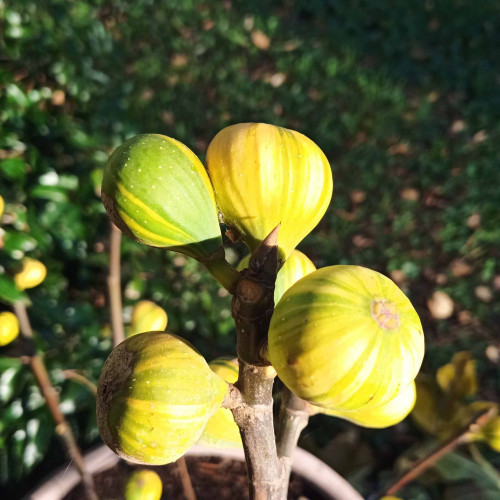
(221, 430)
(264, 175)
(146, 317)
(345, 338)
(157, 191)
(386, 415)
(296, 267)
(155, 396)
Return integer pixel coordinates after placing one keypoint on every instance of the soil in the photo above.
(212, 477)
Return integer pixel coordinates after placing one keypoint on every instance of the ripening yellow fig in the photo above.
(458, 378)
(221, 430)
(157, 191)
(9, 327)
(144, 485)
(2, 206)
(296, 266)
(154, 398)
(345, 338)
(147, 317)
(32, 274)
(264, 175)
(390, 413)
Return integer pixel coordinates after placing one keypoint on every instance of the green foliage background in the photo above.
(403, 97)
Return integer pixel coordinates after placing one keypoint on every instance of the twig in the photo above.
(252, 307)
(51, 398)
(77, 377)
(114, 286)
(480, 419)
(293, 418)
(187, 485)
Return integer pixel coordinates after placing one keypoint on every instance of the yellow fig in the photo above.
(144, 485)
(458, 377)
(32, 274)
(390, 413)
(264, 175)
(221, 430)
(345, 338)
(9, 327)
(154, 398)
(2, 206)
(296, 266)
(147, 317)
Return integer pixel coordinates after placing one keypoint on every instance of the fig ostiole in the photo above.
(221, 429)
(157, 191)
(345, 338)
(155, 395)
(265, 175)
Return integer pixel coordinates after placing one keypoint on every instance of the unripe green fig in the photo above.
(296, 266)
(221, 430)
(345, 338)
(265, 175)
(147, 317)
(144, 485)
(154, 398)
(386, 415)
(157, 192)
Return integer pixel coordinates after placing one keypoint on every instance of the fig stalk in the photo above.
(252, 307)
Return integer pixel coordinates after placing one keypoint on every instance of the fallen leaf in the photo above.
(440, 305)
(483, 293)
(403, 148)
(410, 194)
(179, 60)
(58, 98)
(358, 196)
(460, 268)
(362, 241)
(474, 221)
(457, 126)
(398, 276)
(260, 40)
(208, 24)
(479, 137)
(464, 317)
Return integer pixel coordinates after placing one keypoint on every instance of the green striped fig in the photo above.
(221, 430)
(345, 338)
(157, 191)
(155, 396)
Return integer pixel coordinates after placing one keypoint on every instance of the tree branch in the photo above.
(114, 286)
(461, 437)
(52, 399)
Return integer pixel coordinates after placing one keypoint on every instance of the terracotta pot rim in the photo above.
(102, 458)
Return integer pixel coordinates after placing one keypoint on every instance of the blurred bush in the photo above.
(402, 97)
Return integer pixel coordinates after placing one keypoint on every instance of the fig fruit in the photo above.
(9, 327)
(147, 317)
(157, 191)
(296, 266)
(390, 413)
(33, 272)
(265, 175)
(345, 338)
(155, 396)
(221, 430)
(144, 485)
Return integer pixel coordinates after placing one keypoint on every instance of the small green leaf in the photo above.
(9, 293)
